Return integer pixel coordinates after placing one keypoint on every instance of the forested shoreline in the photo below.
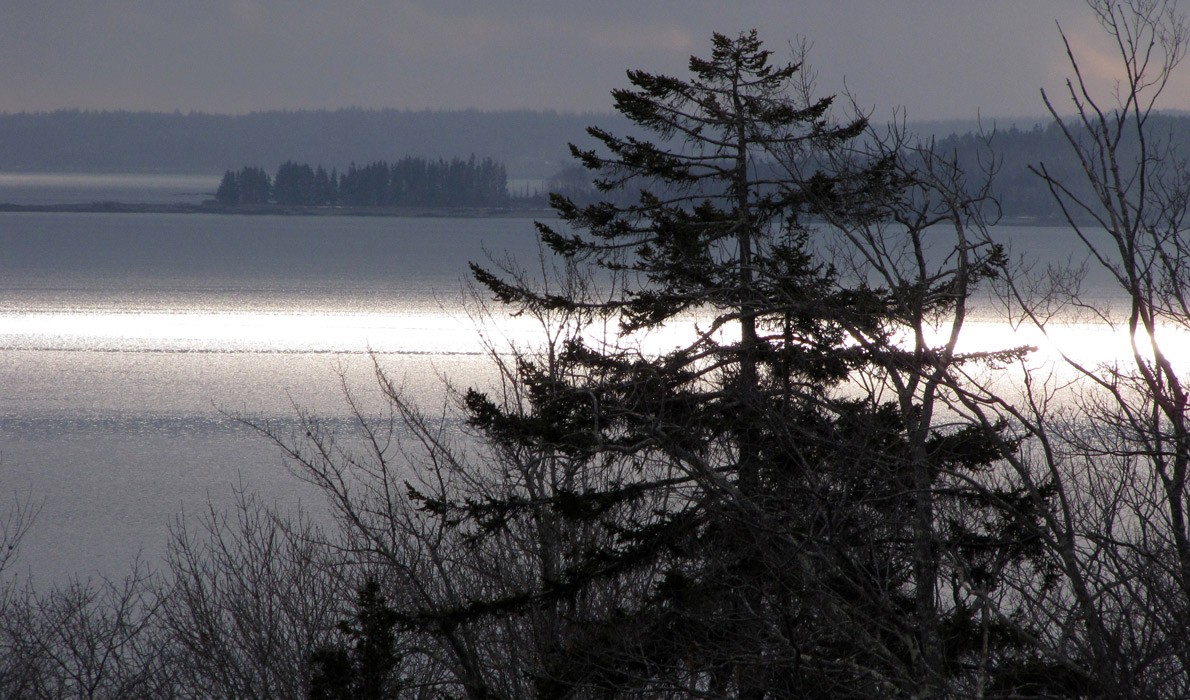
(408, 182)
(71, 141)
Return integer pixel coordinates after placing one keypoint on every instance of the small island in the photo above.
(408, 182)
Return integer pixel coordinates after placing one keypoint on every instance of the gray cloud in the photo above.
(936, 58)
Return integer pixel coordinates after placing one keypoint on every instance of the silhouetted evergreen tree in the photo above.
(325, 187)
(229, 189)
(248, 186)
(254, 185)
(367, 668)
(752, 530)
(294, 185)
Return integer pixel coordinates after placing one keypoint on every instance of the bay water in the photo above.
(129, 344)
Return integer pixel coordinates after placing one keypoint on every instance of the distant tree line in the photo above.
(1018, 190)
(248, 186)
(411, 181)
(414, 181)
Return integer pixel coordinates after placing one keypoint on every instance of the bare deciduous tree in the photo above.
(85, 639)
(250, 595)
(1111, 448)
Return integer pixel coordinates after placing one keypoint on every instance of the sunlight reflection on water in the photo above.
(1088, 344)
(239, 332)
(446, 334)
(125, 342)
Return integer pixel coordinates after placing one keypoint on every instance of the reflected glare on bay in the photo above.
(128, 342)
(245, 331)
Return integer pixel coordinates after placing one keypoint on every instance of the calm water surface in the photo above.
(124, 339)
(76, 188)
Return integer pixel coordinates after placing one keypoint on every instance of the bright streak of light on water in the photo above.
(245, 332)
(404, 332)
(1089, 344)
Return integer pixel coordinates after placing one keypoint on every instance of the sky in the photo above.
(933, 59)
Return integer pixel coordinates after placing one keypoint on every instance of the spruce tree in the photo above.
(229, 189)
(367, 669)
(734, 519)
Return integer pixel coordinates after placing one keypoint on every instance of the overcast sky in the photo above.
(937, 59)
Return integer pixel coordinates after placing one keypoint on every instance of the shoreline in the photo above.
(112, 207)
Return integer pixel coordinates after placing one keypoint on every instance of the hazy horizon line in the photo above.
(428, 110)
